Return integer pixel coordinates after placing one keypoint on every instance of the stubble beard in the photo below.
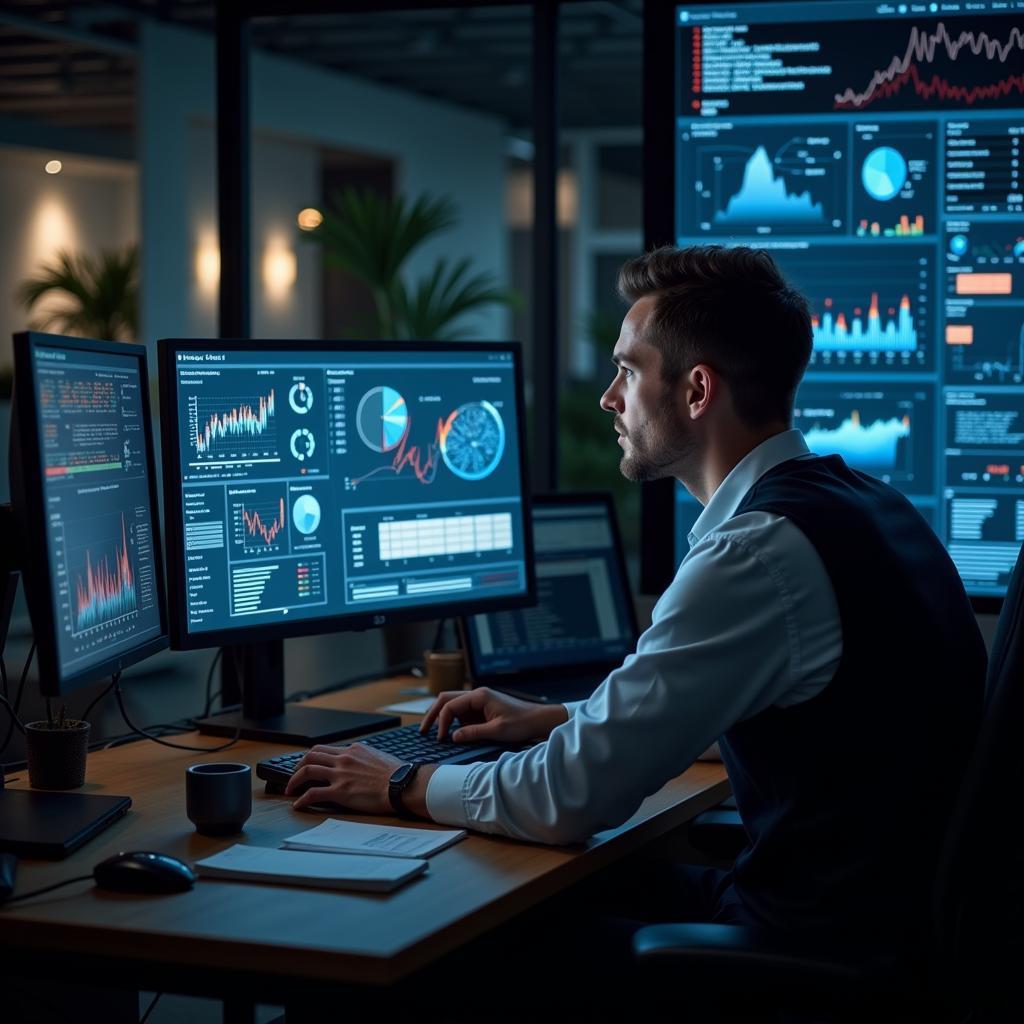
(660, 448)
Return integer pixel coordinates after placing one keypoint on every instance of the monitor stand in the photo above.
(258, 670)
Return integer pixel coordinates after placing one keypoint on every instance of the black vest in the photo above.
(845, 797)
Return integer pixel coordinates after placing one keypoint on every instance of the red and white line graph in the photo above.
(922, 47)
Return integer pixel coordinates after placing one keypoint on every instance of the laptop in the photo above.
(40, 823)
(583, 624)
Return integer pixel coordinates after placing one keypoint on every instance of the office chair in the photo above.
(975, 956)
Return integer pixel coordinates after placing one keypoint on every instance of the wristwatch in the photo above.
(399, 782)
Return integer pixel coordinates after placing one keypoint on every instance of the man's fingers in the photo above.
(455, 708)
(434, 710)
(309, 773)
(314, 795)
(472, 733)
(315, 756)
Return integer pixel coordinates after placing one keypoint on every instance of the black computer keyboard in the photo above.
(406, 743)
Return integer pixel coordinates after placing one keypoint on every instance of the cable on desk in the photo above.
(14, 718)
(18, 696)
(149, 1009)
(106, 689)
(119, 694)
(48, 888)
(208, 706)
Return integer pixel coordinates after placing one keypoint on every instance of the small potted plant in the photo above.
(56, 751)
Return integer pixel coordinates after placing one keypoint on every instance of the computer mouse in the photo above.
(143, 871)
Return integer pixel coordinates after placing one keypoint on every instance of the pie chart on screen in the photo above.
(883, 173)
(382, 418)
(306, 514)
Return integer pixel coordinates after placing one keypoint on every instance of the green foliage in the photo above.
(372, 238)
(589, 456)
(103, 291)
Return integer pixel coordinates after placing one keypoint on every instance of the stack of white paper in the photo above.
(338, 836)
(323, 870)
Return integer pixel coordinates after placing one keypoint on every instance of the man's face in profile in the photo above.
(654, 435)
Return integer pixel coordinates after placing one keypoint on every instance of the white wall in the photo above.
(297, 109)
(285, 178)
(92, 204)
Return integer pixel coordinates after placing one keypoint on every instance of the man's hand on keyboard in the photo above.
(487, 716)
(356, 777)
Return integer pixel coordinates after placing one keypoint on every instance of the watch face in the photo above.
(402, 774)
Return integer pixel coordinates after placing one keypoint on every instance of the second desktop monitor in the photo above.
(314, 486)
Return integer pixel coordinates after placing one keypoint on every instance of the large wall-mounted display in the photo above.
(878, 151)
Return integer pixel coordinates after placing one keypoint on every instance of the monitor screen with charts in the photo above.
(877, 151)
(315, 486)
(84, 494)
(583, 620)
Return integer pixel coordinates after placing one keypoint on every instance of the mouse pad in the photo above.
(38, 823)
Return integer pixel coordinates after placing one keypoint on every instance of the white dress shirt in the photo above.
(749, 621)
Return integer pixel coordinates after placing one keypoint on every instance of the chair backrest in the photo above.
(979, 891)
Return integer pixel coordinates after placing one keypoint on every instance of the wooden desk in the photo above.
(268, 940)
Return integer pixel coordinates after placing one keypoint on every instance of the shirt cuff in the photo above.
(572, 706)
(445, 800)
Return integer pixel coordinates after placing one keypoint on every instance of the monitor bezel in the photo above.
(482, 676)
(658, 498)
(28, 506)
(181, 638)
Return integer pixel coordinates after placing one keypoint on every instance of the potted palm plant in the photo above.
(372, 238)
(100, 294)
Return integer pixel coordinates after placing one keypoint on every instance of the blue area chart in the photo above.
(764, 198)
(473, 440)
(382, 419)
(871, 448)
(883, 173)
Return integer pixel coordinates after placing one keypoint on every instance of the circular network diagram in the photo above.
(306, 514)
(473, 444)
(884, 173)
(300, 398)
(382, 419)
(303, 444)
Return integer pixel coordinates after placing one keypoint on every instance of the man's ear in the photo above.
(702, 387)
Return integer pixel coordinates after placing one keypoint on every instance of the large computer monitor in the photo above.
(84, 505)
(877, 150)
(312, 486)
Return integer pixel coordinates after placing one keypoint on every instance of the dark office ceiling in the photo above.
(74, 63)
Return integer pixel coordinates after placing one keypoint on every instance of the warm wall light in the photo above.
(309, 219)
(53, 167)
(208, 263)
(279, 268)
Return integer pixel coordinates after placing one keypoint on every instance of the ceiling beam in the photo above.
(51, 30)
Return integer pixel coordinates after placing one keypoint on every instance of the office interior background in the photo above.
(530, 124)
(393, 101)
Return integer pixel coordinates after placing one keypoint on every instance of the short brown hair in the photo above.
(731, 308)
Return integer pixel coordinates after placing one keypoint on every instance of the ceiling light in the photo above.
(309, 218)
(53, 167)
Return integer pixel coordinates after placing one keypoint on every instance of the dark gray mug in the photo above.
(218, 797)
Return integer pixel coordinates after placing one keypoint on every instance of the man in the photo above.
(817, 626)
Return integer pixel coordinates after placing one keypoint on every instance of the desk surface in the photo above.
(298, 934)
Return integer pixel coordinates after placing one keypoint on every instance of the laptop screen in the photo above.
(583, 614)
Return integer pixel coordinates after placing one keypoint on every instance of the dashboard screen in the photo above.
(96, 488)
(337, 482)
(876, 151)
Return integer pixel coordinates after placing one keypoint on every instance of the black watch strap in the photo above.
(400, 781)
